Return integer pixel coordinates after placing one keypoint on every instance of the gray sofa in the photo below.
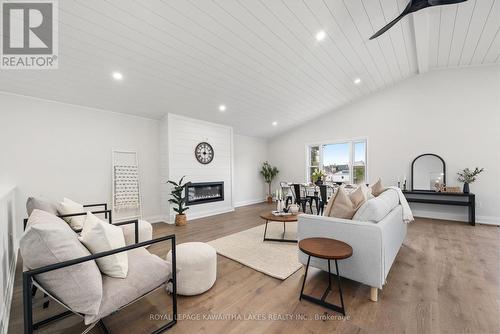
(375, 234)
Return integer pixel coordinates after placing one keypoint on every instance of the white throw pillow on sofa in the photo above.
(377, 208)
(99, 236)
(67, 207)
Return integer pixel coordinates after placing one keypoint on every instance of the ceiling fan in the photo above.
(413, 6)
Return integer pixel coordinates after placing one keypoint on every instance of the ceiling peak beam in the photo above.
(420, 23)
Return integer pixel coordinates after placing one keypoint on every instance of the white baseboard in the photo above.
(156, 219)
(487, 220)
(249, 202)
(8, 296)
(208, 213)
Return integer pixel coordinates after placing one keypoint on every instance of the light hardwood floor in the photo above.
(445, 279)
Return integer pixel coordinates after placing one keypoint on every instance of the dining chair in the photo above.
(287, 192)
(301, 200)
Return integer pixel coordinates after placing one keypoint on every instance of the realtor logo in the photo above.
(29, 35)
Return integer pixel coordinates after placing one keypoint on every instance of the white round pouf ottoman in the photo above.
(145, 232)
(196, 267)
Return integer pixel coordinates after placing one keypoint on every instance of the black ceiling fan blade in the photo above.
(444, 2)
(414, 6)
(389, 25)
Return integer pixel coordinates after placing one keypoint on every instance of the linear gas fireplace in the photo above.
(204, 192)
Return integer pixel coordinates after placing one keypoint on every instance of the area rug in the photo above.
(276, 259)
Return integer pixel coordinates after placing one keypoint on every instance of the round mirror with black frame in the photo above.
(428, 172)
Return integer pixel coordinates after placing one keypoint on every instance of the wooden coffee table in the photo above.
(269, 217)
(327, 249)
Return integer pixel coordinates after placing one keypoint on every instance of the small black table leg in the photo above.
(340, 287)
(305, 277)
(265, 231)
(322, 301)
(472, 210)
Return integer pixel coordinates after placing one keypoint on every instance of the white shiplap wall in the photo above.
(183, 135)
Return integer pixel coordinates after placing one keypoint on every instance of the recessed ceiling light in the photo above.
(357, 81)
(275, 123)
(320, 35)
(117, 76)
(222, 107)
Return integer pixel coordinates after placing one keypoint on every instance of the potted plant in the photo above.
(468, 176)
(317, 177)
(179, 199)
(269, 173)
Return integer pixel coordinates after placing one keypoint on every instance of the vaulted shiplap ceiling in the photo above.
(260, 58)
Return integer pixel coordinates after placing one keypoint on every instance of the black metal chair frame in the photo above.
(323, 195)
(301, 201)
(29, 289)
(289, 195)
(29, 278)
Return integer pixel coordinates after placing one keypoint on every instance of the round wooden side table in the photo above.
(327, 249)
(269, 217)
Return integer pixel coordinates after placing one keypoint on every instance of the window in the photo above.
(343, 162)
(313, 160)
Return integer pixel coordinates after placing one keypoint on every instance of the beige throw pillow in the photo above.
(99, 236)
(345, 205)
(377, 188)
(48, 240)
(67, 207)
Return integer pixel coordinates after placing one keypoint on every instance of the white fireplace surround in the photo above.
(179, 136)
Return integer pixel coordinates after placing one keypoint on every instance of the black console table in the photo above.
(433, 197)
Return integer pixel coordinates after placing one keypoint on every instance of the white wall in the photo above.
(54, 150)
(453, 113)
(183, 135)
(249, 154)
(8, 252)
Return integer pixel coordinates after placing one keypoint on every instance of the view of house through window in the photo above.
(343, 162)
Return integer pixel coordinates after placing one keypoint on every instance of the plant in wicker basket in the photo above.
(179, 195)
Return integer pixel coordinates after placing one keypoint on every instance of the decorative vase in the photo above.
(293, 208)
(319, 182)
(180, 219)
(466, 188)
(269, 199)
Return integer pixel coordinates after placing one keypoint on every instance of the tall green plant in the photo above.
(269, 173)
(179, 195)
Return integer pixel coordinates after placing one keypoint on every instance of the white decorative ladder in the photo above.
(127, 201)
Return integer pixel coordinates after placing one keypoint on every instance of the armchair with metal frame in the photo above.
(29, 282)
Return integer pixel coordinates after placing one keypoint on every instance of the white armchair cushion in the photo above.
(375, 209)
(99, 236)
(67, 207)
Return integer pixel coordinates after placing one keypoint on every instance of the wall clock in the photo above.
(204, 153)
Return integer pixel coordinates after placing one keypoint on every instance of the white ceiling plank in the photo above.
(448, 16)
(358, 14)
(476, 28)
(493, 51)
(421, 30)
(465, 10)
(488, 34)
